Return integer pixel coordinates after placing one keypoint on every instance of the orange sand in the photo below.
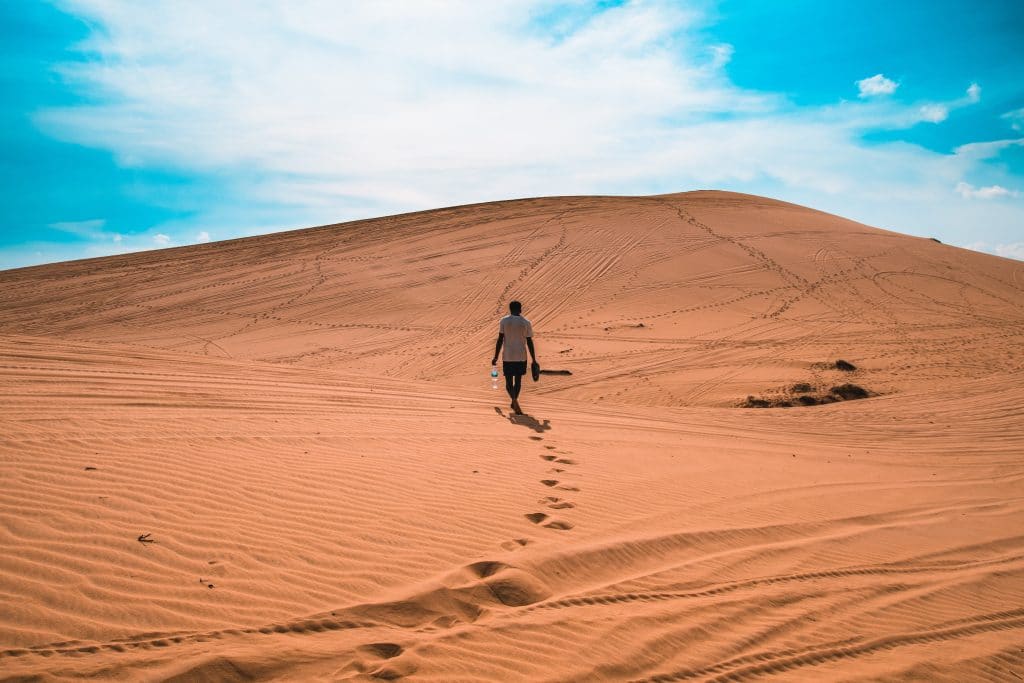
(302, 423)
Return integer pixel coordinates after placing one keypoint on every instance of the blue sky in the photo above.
(130, 126)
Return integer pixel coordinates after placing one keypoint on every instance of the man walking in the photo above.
(516, 333)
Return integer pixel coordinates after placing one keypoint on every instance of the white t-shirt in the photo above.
(516, 329)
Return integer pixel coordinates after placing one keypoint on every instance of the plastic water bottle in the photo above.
(494, 377)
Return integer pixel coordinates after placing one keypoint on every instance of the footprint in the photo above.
(486, 568)
(515, 543)
(556, 503)
(566, 461)
(567, 488)
(550, 448)
(537, 438)
(538, 517)
(382, 650)
(549, 458)
(548, 482)
(393, 671)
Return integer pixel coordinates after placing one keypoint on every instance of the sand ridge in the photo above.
(302, 425)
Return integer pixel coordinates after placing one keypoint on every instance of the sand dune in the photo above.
(693, 299)
(279, 457)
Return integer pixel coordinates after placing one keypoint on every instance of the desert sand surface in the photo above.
(280, 458)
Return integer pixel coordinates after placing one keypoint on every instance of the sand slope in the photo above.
(736, 295)
(320, 512)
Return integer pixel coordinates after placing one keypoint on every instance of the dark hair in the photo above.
(515, 307)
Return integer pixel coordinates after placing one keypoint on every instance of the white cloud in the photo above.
(1014, 250)
(937, 112)
(161, 239)
(978, 151)
(968, 191)
(203, 237)
(315, 88)
(88, 229)
(117, 238)
(1016, 118)
(721, 54)
(876, 85)
(934, 113)
(361, 97)
(396, 123)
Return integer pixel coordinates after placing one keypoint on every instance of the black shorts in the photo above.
(513, 368)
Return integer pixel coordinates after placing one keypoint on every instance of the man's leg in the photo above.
(516, 386)
(510, 387)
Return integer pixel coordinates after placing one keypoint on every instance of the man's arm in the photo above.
(497, 347)
(529, 345)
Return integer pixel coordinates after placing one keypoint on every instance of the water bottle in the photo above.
(494, 377)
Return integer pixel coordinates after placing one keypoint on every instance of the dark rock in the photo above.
(849, 392)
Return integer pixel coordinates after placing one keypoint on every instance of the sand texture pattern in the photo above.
(279, 458)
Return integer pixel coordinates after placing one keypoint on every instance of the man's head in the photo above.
(515, 308)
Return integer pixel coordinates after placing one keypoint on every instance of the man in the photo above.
(516, 333)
